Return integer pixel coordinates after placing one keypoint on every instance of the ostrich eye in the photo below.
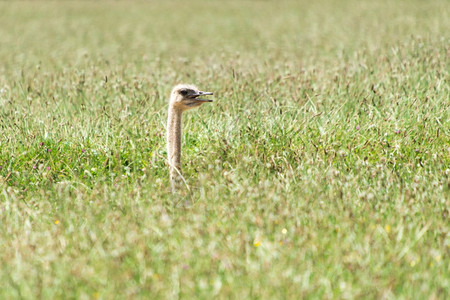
(184, 92)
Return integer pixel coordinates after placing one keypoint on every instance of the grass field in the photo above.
(321, 170)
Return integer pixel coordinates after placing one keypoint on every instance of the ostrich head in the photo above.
(186, 96)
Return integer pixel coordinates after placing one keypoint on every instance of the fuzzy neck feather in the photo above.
(174, 144)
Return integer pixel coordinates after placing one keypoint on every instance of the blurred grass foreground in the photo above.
(320, 171)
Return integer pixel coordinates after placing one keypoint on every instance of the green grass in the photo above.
(321, 170)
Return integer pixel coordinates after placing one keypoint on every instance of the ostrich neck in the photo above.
(174, 140)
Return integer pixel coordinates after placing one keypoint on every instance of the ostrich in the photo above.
(183, 97)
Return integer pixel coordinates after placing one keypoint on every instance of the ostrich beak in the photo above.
(200, 93)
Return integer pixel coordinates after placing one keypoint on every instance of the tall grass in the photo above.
(320, 171)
